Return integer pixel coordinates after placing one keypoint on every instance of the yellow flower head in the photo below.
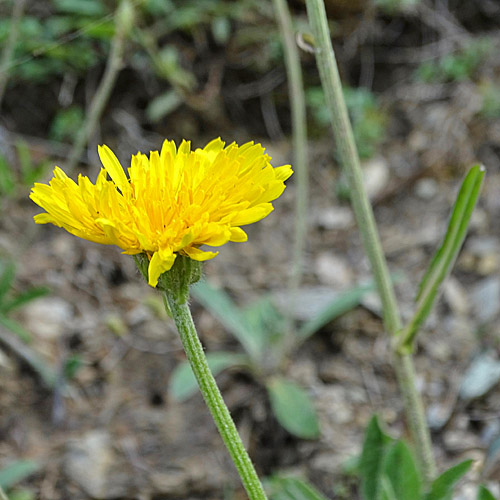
(171, 203)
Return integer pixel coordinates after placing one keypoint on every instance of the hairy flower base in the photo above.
(171, 203)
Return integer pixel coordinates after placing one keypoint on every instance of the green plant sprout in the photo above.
(261, 331)
(11, 182)
(388, 470)
(367, 118)
(14, 473)
(458, 66)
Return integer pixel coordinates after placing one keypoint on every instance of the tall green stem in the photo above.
(299, 131)
(194, 350)
(348, 153)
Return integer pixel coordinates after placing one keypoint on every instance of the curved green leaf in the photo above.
(400, 468)
(292, 488)
(218, 302)
(444, 258)
(484, 493)
(375, 446)
(293, 408)
(442, 486)
(16, 472)
(182, 384)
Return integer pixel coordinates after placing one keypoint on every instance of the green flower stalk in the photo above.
(169, 205)
(348, 153)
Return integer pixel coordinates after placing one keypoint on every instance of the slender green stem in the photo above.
(299, 130)
(8, 50)
(213, 398)
(124, 22)
(339, 117)
(3, 496)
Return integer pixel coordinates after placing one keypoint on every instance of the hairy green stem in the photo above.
(348, 153)
(124, 23)
(213, 398)
(299, 130)
(8, 50)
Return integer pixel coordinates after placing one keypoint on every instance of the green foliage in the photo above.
(29, 171)
(456, 67)
(367, 119)
(402, 479)
(395, 6)
(16, 472)
(293, 408)
(10, 300)
(389, 471)
(344, 303)
(375, 446)
(260, 328)
(281, 487)
(444, 258)
(71, 39)
(484, 494)
(66, 124)
(443, 485)
(490, 93)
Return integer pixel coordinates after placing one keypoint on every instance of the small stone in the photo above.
(426, 188)
(456, 296)
(333, 270)
(335, 218)
(485, 298)
(48, 317)
(92, 463)
(375, 176)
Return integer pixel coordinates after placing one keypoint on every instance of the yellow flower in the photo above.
(172, 202)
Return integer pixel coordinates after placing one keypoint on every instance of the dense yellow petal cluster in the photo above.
(171, 203)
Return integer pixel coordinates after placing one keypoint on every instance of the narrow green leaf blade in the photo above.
(292, 488)
(386, 490)
(293, 408)
(225, 310)
(445, 256)
(182, 384)
(8, 273)
(342, 304)
(442, 486)
(25, 297)
(16, 328)
(484, 493)
(375, 445)
(16, 472)
(7, 179)
(401, 470)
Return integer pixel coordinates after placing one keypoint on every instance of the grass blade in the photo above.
(227, 312)
(342, 304)
(23, 298)
(444, 258)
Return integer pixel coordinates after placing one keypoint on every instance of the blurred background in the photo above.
(89, 405)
